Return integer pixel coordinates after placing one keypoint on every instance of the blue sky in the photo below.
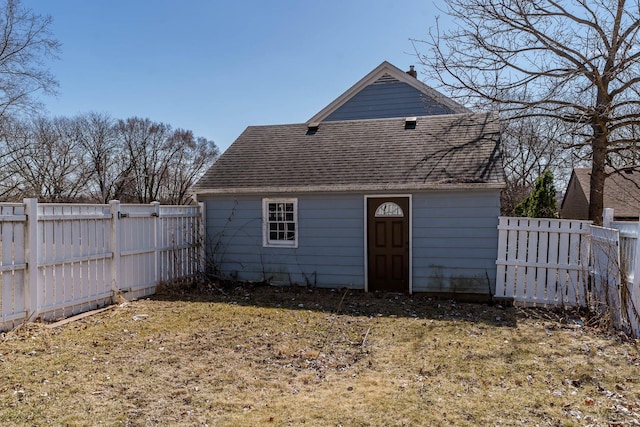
(217, 66)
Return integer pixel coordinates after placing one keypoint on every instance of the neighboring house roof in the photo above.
(442, 151)
(388, 92)
(621, 192)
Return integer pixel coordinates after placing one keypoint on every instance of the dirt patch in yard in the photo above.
(259, 355)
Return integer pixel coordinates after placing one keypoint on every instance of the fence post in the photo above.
(31, 282)
(634, 297)
(607, 217)
(636, 262)
(156, 241)
(202, 234)
(116, 247)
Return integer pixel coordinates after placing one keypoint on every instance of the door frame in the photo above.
(366, 239)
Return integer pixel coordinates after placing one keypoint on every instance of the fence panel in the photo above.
(629, 254)
(605, 269)
(633, 309)
(540, 261)
(57, 260)
(12, 265)
(72, 272)
(552, 262)
(138, 249)
(628, 242)
(180, 241)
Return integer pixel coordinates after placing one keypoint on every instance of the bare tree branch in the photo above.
(26, 42)
(573, 61)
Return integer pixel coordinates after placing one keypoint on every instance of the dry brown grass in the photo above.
(270, 356)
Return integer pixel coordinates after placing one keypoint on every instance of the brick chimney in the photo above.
(413, 73)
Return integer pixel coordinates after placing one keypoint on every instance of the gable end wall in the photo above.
(385, 100)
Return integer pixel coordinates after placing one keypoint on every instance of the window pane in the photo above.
(280, 222)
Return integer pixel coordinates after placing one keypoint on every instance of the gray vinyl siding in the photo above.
(455, 241)
(330, 242)
(385, 100)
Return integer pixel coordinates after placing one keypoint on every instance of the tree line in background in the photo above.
(564, 75)
(88, 158)
(94, 158)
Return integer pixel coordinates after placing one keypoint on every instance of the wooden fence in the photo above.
(58, 260)
(572, 263)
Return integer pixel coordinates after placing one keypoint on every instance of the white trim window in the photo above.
(280, 223)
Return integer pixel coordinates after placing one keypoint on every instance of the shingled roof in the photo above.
(444, 151)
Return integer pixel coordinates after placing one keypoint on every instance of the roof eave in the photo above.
(347, 188)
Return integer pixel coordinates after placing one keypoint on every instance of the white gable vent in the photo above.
(386, 78)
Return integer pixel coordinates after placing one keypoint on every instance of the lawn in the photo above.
(258, 355)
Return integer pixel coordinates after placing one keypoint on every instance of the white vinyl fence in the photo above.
(572, 263)
(542, 261)
(57, 260)
(628, 290)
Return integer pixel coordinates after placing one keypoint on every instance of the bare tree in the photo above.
(147, 150)
(27, 164)
(531, 147)
(575, 61)
(46, 160)
(189, 163)
(14, 140)
(93, 158)
(103, 157)
(161, 163)
(26, 43)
